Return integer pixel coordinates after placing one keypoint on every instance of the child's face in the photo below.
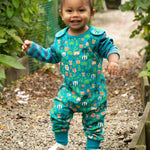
(76, 14)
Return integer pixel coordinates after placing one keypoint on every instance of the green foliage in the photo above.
(141, 10)
(98, 5)
(146, 72)
(61, 23)
(8, 61)
(11, 24)
(19, 20)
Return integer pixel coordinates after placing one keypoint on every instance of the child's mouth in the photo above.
(75, 21)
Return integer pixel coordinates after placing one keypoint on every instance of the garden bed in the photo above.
(145, 90)
(142, 137)
(145, 85)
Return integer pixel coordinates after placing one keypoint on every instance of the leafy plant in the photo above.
(146, 73)
(141, 10)
(98, 5)
(8, 61)
(17, 19)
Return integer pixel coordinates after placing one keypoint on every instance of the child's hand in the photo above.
(26, 46)
(113, 69)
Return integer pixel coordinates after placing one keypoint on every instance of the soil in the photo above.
(24, 119)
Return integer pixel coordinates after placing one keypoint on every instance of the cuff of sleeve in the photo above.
(31, 48)
(113, 52)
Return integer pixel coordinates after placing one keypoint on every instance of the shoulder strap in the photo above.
(96, 31)
(61, 32)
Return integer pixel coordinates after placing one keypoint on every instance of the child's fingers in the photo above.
(27, 42)
(26, 45)
(115, 72)
(113, 69)
(23, 48)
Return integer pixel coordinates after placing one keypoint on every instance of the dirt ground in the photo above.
(24, 111)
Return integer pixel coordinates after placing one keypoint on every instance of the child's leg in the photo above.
(61, 117)
(92, 144)
(93, 122)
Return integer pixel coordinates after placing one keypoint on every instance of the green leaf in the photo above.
(15, 3)
(2, 32)
(26, 11)
(10, 61)
(5, 2)
(148, 65)
(3, 41)
(27, 2)
(9, 11)
(2, 73)
(1, 87)
(17, 22)
(126, 6)
(26, 19)
(144, 73)
(14, 36)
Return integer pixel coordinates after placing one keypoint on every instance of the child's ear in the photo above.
(60, 13)
(92, 13)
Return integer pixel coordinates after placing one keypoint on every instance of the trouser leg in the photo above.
(60, 118)
(93, 122)
(92, 144)
(61, 137)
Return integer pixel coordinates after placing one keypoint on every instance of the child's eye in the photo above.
(81, 10)
(69, 10)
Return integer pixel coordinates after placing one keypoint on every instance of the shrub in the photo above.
(98, 5)
(19, 20)
(141, 10)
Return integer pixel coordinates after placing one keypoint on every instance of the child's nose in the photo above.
(75, 13)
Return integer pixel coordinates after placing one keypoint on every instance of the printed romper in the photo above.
(83, 89)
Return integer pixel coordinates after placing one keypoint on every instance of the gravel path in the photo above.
(24, 111)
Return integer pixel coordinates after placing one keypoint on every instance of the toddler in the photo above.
(80, 49)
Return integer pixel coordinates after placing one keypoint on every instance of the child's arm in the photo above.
(107, 49)
(47, 55)
(113, 65)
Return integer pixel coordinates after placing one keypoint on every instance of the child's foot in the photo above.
(58, 146)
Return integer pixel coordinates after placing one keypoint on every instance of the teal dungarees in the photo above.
(83, 89)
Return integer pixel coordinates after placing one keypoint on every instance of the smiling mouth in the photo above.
(75, 21)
